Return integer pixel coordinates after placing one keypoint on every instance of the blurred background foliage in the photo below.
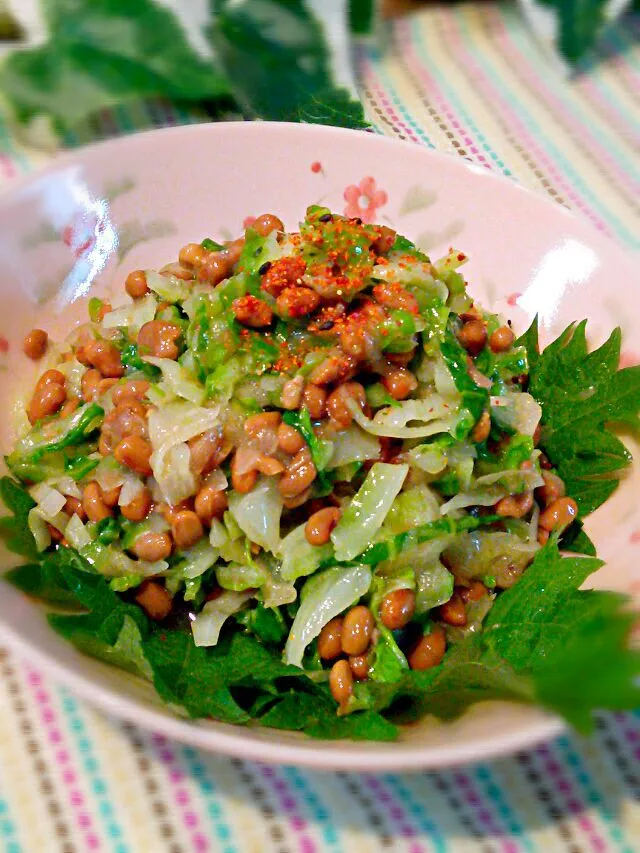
(282, 60)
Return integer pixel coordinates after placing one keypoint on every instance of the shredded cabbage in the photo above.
(442, 378)
(258, 512)
(324, 596)
(111, 561)
(421, 555)
(299, 557)
(451, 261)
(179, 380)
(131, 488)
(259, 248)
(434, 586)
(463, 469)
(277, 592)
(169, 288)
(233, 547)
(390, 578)
(481, 553)
(240, 578)
(352, 445)
(221, 384)
(201, 295)
(533, 524)
(434, 457)
(437, 414)
(50, 436)
(412, 507)
(207, 625)
(217, 480)
(218, 535)
(516, 410)
(160, 395)
(132, 316)
(73, 372)
(169, 430)
(433, 373)
(49, 501)
(412, 272)
(76, 533)
(196, 560)
(263, 390)
(367, 510)
(39, 530)
(489, 489)
(48, 510)
(174, 475)
(430, 458)
(179, 422)
(109, 473)
(65, 484)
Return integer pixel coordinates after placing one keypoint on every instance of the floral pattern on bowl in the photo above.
(364, 200)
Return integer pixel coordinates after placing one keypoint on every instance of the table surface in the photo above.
(466, 79)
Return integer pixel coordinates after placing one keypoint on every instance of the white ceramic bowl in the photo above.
(77, 228)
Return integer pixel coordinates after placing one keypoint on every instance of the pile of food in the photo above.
(302, 472)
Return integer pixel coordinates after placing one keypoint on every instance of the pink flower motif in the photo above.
(629, 359)
(634, 539)
(364, 199)
(81, 233)
(316, 167)
(512, 299)
(248, 221)
(4, 345)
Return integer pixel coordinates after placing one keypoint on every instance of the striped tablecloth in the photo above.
(466, 79)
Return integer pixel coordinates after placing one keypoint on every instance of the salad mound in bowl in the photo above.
(300, 479)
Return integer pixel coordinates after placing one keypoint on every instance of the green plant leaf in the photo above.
(266, 623)
(472, 673)
(297, 711)
(362, 15)
(315, 714)
(544, 642)
(270, 59)
(14, 529)
(368, 725)
(10, 28)
(582, 394)
(104, 53)
(126, 653)
(278, 64)
(572, 643)
(580, 22)
(574, 539)
(45, 581)
(191, 677)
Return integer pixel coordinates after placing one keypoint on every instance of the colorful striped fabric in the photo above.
(467, 79)
(72, 780)
(472, 80)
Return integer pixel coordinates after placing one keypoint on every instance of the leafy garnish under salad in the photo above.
(301, 480)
